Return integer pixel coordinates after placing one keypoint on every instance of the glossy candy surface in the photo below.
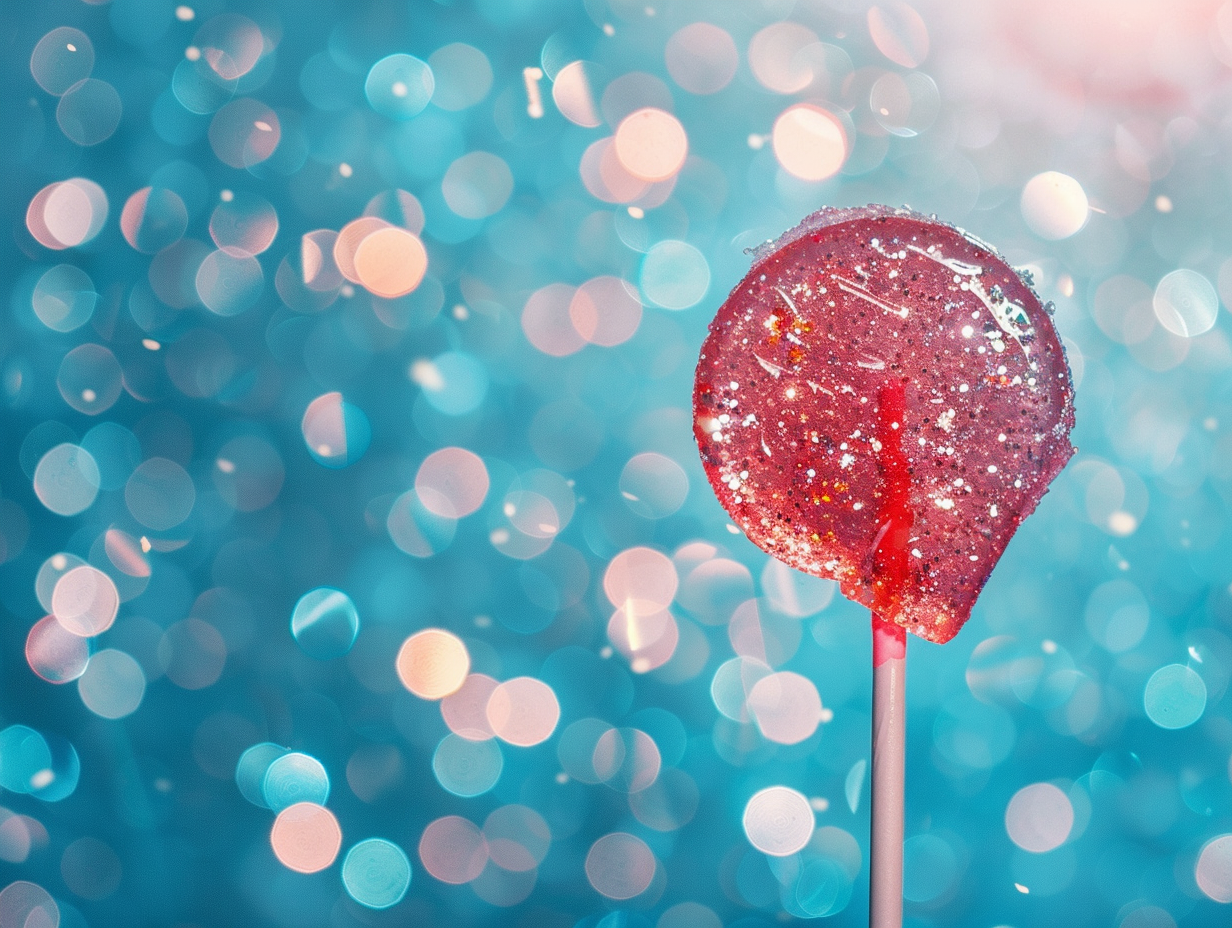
(882, 400)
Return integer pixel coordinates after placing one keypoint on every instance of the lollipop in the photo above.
(881, 401)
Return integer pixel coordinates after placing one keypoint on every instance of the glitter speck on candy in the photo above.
(876, 357)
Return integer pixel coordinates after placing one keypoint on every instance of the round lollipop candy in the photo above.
(882, 400)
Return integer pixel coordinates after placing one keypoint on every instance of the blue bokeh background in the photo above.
(1123, 572)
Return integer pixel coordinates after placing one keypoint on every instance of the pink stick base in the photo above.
(889, 756)
(889, 642)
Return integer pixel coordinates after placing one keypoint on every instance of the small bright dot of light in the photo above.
(426, 374)
(1163, 203)
(344, 169)
(433, 663)
(192, 53)
(226, 196)
(185, 14)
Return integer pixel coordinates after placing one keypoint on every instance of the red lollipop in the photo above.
(882, 400)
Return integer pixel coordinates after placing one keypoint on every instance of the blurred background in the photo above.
(356, 563)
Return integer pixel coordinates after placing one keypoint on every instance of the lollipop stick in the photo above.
(885, 898)
(885, 885)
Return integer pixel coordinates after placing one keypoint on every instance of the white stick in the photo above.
(885, 898)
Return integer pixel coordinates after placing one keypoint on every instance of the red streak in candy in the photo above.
(890, 570)
(890, 555)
